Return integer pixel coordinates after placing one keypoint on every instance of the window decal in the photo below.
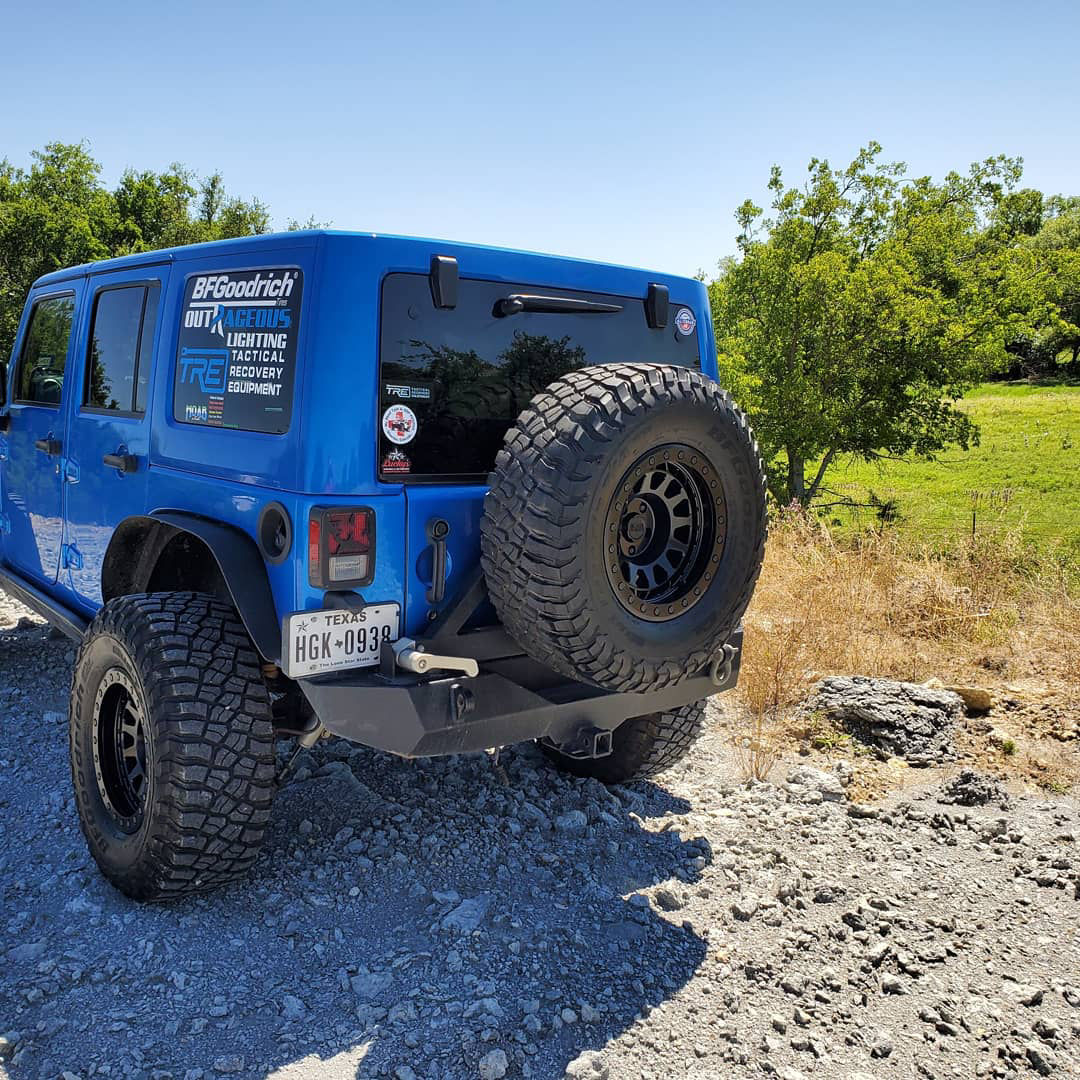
(236, 358)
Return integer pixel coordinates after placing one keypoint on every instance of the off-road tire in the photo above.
(641, 747)
(209, 751)
(555, 482)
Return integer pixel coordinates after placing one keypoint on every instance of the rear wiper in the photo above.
(551, 305)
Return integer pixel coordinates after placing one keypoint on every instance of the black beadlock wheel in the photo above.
(667, 525)
(641, 747)
(625, 525)
(172, 754)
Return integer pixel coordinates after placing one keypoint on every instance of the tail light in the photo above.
(341, 547)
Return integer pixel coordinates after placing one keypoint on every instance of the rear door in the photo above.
(33, 448)
(105, 470)
(453, 380)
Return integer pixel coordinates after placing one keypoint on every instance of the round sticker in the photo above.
(685, 321)
(399, 424)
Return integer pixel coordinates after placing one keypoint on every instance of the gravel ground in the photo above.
(481, 917)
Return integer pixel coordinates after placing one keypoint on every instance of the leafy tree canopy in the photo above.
(58, 213)
(868, 302)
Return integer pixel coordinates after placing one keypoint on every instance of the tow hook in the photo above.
(415, 658)
(720, 669)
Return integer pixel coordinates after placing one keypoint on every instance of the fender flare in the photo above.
(244, 572)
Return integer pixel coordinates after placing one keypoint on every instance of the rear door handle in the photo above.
(126, 463)
(52, 447)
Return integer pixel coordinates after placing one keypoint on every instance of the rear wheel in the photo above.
(641, 747)
(172, 753)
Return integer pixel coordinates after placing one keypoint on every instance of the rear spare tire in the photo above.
(625, 525)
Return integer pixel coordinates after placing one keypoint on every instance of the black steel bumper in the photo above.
(510, 701)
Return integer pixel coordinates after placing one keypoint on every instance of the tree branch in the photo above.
(826, 461)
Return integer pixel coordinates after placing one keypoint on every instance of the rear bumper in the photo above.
(508, 702)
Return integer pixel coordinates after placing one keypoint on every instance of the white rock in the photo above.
(827, 785)
(587, 1066)
(493, 1065)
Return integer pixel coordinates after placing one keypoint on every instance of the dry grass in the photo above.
(993, 613)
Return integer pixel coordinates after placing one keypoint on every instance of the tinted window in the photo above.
(114, 349)
(453, 381)
(44, 354)
(146, 349)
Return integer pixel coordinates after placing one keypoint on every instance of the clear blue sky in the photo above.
(622, 131)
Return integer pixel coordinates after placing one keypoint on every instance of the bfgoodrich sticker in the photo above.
(236, 359)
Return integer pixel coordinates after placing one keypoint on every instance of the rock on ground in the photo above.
(907, 720)
(970, 788)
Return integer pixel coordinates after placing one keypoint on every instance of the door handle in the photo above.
(52, 447)
(437, 531)
(126, 463)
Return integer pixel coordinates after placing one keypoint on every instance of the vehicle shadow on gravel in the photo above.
(409, 919)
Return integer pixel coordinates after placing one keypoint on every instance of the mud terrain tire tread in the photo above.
(533, 519)
(642, 746)
(212, 775)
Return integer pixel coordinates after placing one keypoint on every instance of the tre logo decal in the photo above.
(207, 367)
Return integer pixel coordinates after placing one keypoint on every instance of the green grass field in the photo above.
(1025, 472)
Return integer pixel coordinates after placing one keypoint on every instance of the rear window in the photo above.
(453, 380)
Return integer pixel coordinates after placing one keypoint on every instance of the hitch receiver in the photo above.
(586, 742)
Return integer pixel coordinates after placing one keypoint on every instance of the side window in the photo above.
(146, 349)
(40, 379)
(120, 350)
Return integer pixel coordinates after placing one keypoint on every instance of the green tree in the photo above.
(1057, 343)
(865, 306)
(58, 213)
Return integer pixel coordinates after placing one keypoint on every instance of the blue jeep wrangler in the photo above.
(426, 496)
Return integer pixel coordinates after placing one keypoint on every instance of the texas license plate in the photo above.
(315, 642)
